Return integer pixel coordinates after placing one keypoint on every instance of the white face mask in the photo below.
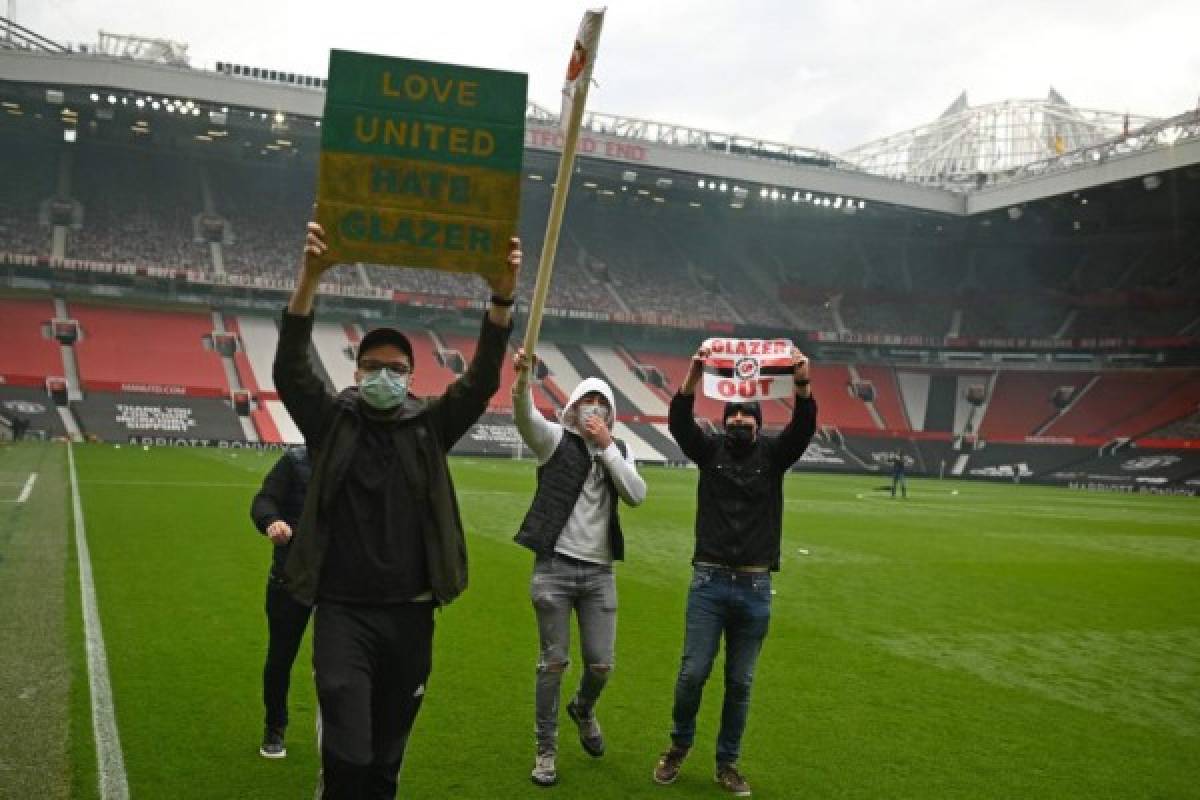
(592, 410)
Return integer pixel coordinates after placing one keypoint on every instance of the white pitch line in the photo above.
(28, 487)
(110, 763)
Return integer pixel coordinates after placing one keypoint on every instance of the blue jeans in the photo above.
(738, 605)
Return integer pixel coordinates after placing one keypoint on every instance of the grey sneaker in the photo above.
(732, 781)
(589, 730)
(272, 744)
(544, 772)
(669, 764)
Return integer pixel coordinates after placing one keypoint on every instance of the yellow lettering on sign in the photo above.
(418, 87)
(362, 135)
(387, 85)
(483, 143)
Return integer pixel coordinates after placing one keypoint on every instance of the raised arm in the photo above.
(682, 419)
(465, 400)
(793, 440)
(539, 434)
(302, 392)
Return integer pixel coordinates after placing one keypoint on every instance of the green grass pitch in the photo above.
(974, 641)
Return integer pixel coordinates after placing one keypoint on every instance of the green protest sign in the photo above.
(420, 162)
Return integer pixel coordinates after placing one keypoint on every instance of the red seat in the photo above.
(26, 358)
(123, 347)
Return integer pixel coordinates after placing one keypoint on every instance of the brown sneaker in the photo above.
(732, 781)
(669, 764)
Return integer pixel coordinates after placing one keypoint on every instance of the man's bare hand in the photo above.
(316, 252)
(696, 370)
(504, 283)
(596, 431)
(279, 532)
(799, 365)
(522, 362)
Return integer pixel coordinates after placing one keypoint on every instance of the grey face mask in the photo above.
(383, 389)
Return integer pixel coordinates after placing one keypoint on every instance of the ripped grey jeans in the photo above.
(560, 584)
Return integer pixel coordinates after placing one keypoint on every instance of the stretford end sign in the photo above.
(420, 162)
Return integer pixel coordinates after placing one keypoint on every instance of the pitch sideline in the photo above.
(110, 762)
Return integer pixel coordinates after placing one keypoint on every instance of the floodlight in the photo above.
(724, 186)
(95, 98)
(112, 100)
(700, 184)
(763, 193)
(140, 103)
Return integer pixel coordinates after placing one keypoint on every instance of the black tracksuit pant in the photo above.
(371, 663)
(286, 621)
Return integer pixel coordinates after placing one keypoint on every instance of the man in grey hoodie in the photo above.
(573, 528)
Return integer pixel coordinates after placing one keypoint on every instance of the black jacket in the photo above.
(428, 429)
(282, 498)
(739, 498)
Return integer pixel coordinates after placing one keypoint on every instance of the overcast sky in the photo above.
(829, 74)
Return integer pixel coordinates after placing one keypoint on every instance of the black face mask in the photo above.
(739, 436)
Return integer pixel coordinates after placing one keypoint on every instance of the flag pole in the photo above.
(558, 206)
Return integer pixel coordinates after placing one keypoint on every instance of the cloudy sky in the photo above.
(821, 73)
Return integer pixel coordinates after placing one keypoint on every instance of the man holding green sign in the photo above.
(420, 163)
(420, 167)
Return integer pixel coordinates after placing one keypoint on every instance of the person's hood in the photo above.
(591, 385)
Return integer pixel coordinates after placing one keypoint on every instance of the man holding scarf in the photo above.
(739, 524)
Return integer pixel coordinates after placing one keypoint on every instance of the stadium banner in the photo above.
(748, 369)
(420, 163)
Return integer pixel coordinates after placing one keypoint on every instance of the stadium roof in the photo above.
(969, 160)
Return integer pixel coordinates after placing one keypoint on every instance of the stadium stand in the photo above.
(28, 356)
(838, 406)
(866, 315)
(168, 348)
(1129, 403)
(1023, 400)
(336, 352)
(137, 207)
(887, 396)
(28, 171)
(1187, 428)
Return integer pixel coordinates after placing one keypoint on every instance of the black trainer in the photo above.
(272, 744)
(589, 730)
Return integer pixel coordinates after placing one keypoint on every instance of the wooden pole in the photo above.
(558, 204)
